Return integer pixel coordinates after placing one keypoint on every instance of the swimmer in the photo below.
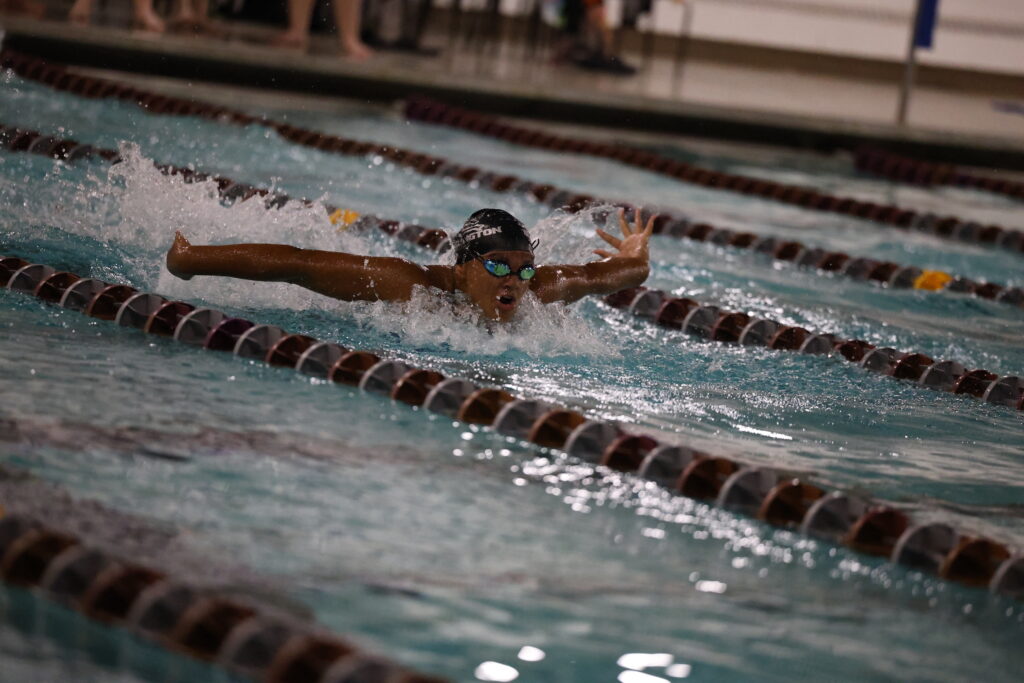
(494, 267)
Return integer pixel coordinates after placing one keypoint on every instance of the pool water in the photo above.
(460, 552)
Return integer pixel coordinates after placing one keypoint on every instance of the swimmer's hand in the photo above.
(627, 266)
(634, 240)
(177, 256)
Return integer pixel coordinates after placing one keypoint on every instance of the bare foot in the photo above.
(177, 255)
(147, 20)
(291, 41)
(357, 50)
(186, 15)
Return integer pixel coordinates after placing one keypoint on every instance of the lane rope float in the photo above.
(712, 323)
(233, 633)
(917, 172)
(888, 215)
(978, 383)
(679, 226)
(863, 524)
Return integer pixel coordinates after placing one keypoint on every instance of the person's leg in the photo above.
(422, 17)
(81, 12)
(415, 14)
(183, 12)
(370, 22)
(346, 16)
(569, 44)
(300, 13)
(605, 58)
(413, 24)
(407, 25)
(145, 18)
(599, 28)
(191, 11)
(193, 17)
(573, 14)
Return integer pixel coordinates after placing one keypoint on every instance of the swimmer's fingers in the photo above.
(649, 228)
(603, 254)
(614, 241)
(624, 224)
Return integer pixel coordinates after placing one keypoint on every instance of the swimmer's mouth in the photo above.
(506, 303)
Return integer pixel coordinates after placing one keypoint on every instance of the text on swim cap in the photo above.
(475, 233)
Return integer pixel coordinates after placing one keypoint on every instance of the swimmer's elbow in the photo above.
(630, 273)
(642, 274)
(352, 277)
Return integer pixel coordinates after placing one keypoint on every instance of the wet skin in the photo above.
(351, 277)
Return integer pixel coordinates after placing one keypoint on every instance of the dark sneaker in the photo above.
(617, 66)
(598, 62)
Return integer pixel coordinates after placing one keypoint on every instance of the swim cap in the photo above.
(490, 230)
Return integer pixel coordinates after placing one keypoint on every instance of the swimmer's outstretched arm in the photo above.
(348, 277)
(628, 266)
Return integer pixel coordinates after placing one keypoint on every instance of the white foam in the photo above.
(538, 330)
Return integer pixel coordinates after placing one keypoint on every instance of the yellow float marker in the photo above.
(343, 218)
(932, 280)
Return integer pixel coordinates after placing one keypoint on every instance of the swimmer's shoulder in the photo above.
(441, 277)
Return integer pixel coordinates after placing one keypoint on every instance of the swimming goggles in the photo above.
(502, 269)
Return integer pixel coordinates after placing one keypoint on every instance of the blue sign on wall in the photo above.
(927, 17)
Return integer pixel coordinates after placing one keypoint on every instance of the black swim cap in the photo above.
(490, 230)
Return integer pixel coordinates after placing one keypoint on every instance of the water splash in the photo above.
(133, 205)
(539, 330)
(154, 205)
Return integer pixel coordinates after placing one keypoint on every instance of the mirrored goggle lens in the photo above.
(497, 268)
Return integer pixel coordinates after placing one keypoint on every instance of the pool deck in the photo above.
(760, 101)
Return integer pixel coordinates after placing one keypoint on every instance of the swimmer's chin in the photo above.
(505, 308)
(483, 311)
(503, 317)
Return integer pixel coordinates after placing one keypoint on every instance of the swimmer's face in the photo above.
(497, 297)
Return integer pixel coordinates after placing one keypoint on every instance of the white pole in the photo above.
(910, 67)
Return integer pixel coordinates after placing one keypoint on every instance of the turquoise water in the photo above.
(448, 547)
(44, 642)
